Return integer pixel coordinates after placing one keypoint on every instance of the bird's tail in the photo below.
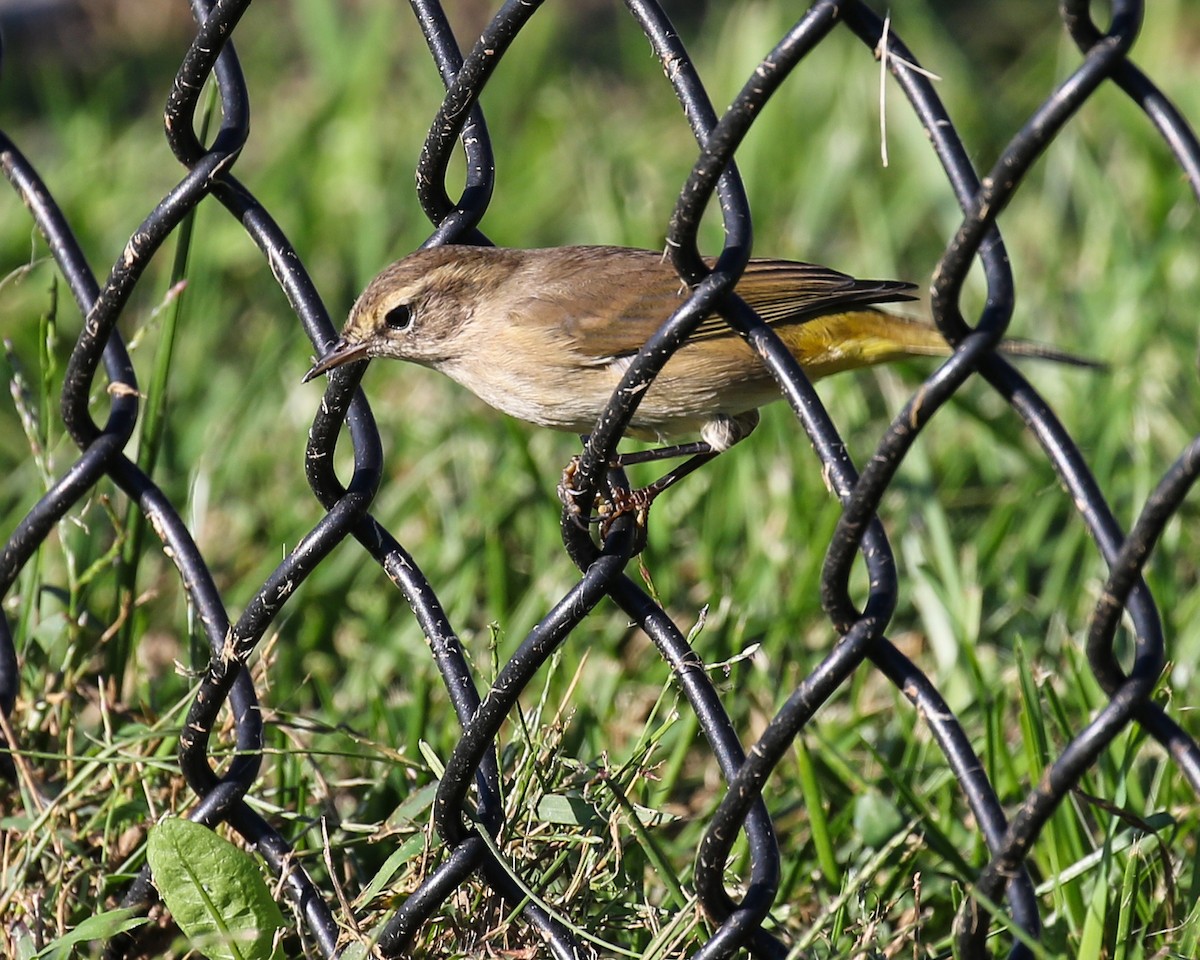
(1017, 347)
(860, 338)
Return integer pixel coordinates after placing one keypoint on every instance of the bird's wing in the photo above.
(605, 301)
(610, 305)
(787, 291)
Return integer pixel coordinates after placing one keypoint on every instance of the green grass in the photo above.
(998, 575)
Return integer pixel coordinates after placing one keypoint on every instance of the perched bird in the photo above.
(545, 335)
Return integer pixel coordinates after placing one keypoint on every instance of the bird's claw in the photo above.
(568, 494)
(608, 508)
(622, 502)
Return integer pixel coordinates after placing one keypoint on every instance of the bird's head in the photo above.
(416, 309)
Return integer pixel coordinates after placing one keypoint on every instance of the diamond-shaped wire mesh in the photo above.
(469, 810)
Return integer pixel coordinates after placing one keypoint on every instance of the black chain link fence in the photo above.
(462, 818)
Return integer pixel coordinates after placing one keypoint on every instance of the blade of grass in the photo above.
(151, 437)
(814, 803)
(41, 440)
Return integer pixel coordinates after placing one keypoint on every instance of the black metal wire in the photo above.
(468, 805)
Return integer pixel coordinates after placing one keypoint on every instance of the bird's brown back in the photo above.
(607, 301)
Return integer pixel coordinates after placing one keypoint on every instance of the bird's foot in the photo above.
(608, 507)
(621, 503)
(568, 493)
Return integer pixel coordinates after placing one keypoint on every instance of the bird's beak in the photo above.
(341, 352)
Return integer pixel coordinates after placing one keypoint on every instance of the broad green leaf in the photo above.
(570, 810)
(215, 892)
(101, 926)
(573, 810)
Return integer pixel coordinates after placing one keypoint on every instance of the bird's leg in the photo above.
(619, 502)
(718, 435)
(698, 448)
(639, 500)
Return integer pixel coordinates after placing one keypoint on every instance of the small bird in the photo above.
(545, 335)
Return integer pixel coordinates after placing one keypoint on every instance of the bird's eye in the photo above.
(398, 318)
